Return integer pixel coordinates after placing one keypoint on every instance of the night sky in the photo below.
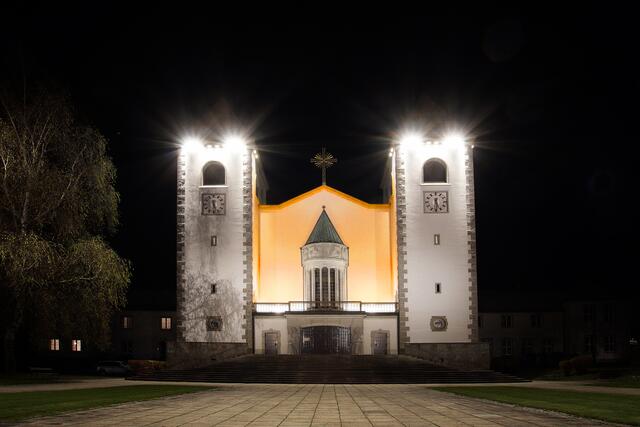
(549, 99)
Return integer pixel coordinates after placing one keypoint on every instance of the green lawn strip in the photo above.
(621, 382)
(608, 407)
(18, 406)
(24, 379)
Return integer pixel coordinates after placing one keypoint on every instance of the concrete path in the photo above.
(304, 405)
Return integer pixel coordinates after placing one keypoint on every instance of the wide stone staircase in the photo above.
(327, 369)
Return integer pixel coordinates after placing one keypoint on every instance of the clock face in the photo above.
(213, 204)
(436, 201)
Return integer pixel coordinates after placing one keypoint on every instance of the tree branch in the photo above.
(64, 192)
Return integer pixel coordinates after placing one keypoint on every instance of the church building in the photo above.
(325, 272)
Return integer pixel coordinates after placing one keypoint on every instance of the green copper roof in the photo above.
(324, 231)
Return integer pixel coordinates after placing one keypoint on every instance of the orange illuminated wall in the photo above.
(365, 228)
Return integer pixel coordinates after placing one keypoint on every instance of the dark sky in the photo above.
(550, 100)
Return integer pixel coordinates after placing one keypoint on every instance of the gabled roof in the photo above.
(324, 231)
(321, 188)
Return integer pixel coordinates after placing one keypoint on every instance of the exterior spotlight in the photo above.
(453, 140)
(191, 144)
(411, 140)
(234, 142)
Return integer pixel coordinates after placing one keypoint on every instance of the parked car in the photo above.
(113, 367)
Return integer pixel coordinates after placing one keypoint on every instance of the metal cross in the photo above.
(324, 160)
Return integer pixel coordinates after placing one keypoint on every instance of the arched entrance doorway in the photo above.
(326, 340)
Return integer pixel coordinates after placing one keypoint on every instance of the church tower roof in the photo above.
(324, 231)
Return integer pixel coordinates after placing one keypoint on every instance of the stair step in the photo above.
(326, 369)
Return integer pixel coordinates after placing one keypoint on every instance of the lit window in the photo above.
(126, 322)
(76, 345)
(506, 321)
(436, 239)
(213, 174)
(165, 323)
(214, 240)
(507, 346)
(438, 288)
(434, 170)
(54, 344)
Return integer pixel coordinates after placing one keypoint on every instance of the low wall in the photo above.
(464, 356)
(187, 355)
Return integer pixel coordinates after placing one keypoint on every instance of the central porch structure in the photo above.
(326, 322)
(348, 327)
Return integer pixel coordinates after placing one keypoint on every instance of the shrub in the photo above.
(581, 364)
(566, 367)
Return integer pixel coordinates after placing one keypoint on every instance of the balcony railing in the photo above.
(338, 306)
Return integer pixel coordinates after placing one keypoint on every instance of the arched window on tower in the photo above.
(434, 170)
(213, 174)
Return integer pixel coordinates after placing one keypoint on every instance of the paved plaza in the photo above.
(304, 405)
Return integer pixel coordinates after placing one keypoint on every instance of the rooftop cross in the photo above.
(324, 160)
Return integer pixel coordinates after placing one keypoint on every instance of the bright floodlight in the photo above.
(191, 144)
(234, 141)
(411, 139)
(453, 140)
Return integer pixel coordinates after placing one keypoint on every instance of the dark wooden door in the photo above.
(270, 343)
(379, 343)
(326, 340)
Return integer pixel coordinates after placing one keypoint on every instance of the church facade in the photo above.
(325, 272)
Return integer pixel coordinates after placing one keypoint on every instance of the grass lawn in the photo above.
(613, 408)
(34, 378)
(629, 381)
(18, 406)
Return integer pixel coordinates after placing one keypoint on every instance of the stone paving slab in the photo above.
(315, 405)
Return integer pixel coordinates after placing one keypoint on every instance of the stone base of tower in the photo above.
(189, 355)
(464, 356)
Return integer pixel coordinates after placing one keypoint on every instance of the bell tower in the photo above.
(214, 252)
(435, 218)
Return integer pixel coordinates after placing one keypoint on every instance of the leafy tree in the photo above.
(58, 275)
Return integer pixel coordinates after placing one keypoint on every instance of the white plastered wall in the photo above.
(428, 264)
(221, 264)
